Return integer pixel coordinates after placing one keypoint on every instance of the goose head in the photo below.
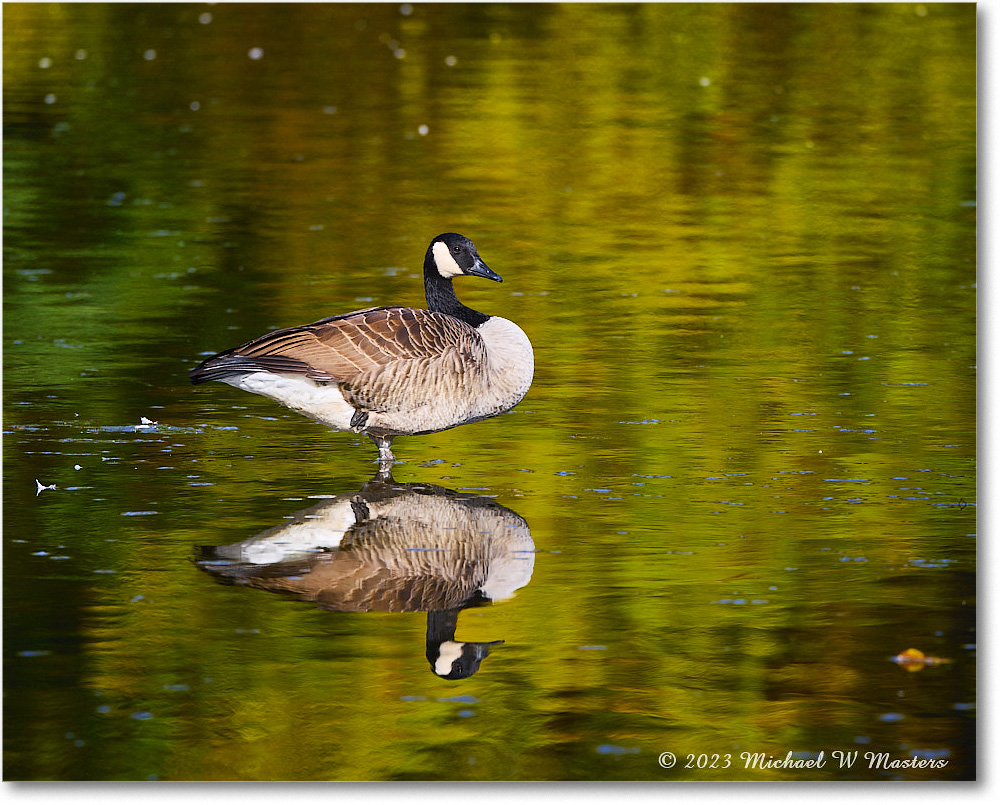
(451, 660)
(451, 255)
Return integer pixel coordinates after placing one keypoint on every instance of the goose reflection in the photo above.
(395, 547)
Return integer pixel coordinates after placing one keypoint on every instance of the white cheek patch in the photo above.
(446, 265)
(447, 654)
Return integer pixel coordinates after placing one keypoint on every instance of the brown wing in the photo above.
(374, 353)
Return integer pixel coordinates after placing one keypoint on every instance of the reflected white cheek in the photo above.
(447, 654)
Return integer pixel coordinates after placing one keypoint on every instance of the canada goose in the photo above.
(392, 548)
(388, 371)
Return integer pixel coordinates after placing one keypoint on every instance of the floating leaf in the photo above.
(914, 659)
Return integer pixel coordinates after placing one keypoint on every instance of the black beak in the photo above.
(480, 269)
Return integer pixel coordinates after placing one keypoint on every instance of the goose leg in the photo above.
(384, 445)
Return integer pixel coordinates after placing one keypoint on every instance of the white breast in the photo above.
(511, 359)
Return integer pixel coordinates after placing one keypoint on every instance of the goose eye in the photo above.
(457, 250)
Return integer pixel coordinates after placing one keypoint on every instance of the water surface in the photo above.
(742, 241)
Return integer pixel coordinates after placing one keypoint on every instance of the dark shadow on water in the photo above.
(392, 547)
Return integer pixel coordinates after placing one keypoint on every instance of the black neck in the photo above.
(441, 296)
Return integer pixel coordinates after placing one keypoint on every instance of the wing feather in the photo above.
(382, 357)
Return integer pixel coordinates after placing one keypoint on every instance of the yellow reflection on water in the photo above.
(742, 241)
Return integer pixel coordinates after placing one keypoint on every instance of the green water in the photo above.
(742, 241)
